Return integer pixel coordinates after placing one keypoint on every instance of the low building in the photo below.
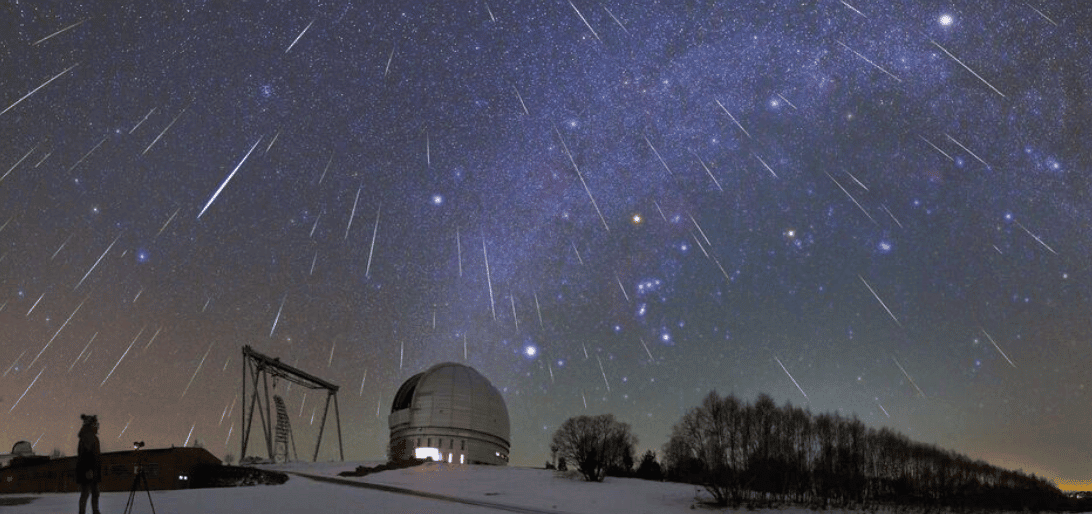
(167, 468)
(19, 450)
(449, 413)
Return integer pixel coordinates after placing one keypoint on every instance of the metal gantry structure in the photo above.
(257, 368)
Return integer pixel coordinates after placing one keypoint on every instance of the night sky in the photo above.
(874, 208)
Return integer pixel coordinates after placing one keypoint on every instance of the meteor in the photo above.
(286, 50)
(35, 90)
(228, 179)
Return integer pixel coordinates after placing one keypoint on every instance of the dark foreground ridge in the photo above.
(432, 496)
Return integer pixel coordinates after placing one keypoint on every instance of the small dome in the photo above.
(453, 411)
(22, 448)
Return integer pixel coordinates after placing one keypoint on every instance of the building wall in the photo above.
(451, 444)
(169, 468)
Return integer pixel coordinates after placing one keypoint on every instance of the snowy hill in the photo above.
(428, 488)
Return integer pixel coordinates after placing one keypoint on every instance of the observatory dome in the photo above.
(449, 412)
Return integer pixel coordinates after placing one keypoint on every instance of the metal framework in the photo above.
(257, 368)
(283, 434)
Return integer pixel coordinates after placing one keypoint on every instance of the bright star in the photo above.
(946, 20)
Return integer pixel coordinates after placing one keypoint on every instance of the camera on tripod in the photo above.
(139, 479)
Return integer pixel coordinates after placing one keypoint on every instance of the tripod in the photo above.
(138, 479)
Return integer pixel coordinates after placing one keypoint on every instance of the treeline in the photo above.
(761, 453)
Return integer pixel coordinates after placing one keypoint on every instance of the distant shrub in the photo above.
(649, 469)
(595, 444)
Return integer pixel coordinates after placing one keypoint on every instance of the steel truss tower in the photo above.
(256, 371)
(284, 433)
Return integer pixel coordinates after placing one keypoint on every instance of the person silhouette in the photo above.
(88, 463)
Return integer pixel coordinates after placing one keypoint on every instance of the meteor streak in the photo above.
(89, 152)
(601, 370)
(524, 105)
(999, 350)
(78, 23)
(489, 280)
(35, 304)
(459, 250)
(666, 167)
(768, 168)
(28, 390)
(935, 147)
(150, 341)
(286, 50)
(122, 356)
(620, 286)
(734, 120)
(164, 131)
(228, 179)
(968, 150)
(581, 175)
(97, 262)
(1035, 237)
(538, 308)
(616, 20)
(650, 358)
(371, 250)
(907, 375)
(389, 59)
(126, 426)
(195, 372)
(787, 101)
(515, 318)
(274, 140)
(853, 8)
(327, 168)
(968, 68)
(866, 59)
(13, 363)
(20, 161)
(790, 377)
(873, 291)
(35, 90)
(168, 222)
(584, 20)
(141, 122)
(1045, 17)
(85, 347)
(352, 213)
(855, 202)
(707, 170)
(278, 317)
(55, 334)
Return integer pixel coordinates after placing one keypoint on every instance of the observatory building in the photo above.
(449, 413)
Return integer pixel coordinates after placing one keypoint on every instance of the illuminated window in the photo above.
(462, 459)
(428, 453)
(449, 458)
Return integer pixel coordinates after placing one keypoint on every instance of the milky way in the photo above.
(875, 208)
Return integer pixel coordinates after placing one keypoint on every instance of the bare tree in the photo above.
(595, 443)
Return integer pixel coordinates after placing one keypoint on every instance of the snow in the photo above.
(489, 488)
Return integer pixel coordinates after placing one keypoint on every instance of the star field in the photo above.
(879, 209)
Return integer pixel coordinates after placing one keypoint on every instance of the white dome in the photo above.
(454, 410)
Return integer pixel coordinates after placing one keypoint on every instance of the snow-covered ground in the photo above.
(445, 488)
